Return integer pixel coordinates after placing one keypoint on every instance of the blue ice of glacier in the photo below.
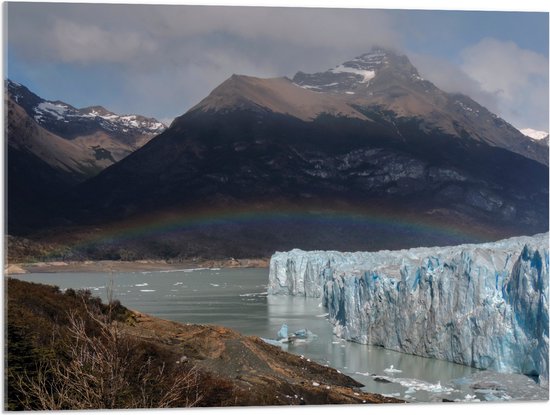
(482, 305)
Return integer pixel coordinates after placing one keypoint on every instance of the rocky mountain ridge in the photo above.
(52, 146)
(69, 122)
(386, 79)
(380, 85)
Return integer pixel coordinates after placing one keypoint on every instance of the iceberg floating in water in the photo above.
(391, 369)
(302, 335)
(482, 305)
(283, 332)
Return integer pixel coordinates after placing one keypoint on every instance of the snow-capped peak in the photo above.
(129, 121)
(68, 121)
(13, 83)
(357, 73)
(534, 134)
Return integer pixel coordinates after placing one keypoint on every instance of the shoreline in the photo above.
(130, 266)
(228, 364)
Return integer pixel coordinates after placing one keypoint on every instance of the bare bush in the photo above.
(102, 370)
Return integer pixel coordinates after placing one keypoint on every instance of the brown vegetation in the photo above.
(67, 351)
(71, 351)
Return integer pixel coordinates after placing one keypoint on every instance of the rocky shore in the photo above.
(263, 373)
(129, 266)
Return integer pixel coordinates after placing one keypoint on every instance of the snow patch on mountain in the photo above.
(534, 134)
(57, 110)
(366, 74)
(56, 115)
(128, 121)
(356, 73)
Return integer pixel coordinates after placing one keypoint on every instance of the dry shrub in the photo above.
(96, 366)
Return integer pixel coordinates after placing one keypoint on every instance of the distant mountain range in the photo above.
(108, 136)
(369, 136)
(52, 146)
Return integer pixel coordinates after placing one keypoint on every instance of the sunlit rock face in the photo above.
(479, 305)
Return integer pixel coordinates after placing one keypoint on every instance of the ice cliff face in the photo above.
(479, 305)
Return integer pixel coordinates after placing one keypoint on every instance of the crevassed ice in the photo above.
(482, 305)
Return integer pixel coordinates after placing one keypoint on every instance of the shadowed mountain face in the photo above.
(84, 141)
(52, 146)
(367, 136)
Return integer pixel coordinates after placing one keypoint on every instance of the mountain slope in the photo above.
(369, 139)
(94, 129)
(40, 167)
(69, 157)
(384, 80)
(51, 147)
(279, 95)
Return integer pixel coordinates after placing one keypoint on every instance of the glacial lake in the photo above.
(237, 298)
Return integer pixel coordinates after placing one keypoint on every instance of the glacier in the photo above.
(481, 305)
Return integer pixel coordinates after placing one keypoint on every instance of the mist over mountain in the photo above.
(540, 136)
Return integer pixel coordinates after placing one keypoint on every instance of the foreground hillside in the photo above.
(70, 351)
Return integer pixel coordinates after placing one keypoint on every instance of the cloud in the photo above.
(502, 67)
(167, 58)
(451, 78)
(81, 43)
(171, 32)
(510, 81)
(516, 77)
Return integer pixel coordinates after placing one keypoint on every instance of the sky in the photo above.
(162, 60)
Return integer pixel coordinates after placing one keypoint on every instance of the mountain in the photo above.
(30, 180)
(110, 136)
(71, 158)
(367, 155)
(383, 80)
(52, 146)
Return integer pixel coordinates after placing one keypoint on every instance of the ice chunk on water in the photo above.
(304, 334)
(283, 332)
(391, 369)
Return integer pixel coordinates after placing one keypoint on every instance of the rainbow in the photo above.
(379, 220)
